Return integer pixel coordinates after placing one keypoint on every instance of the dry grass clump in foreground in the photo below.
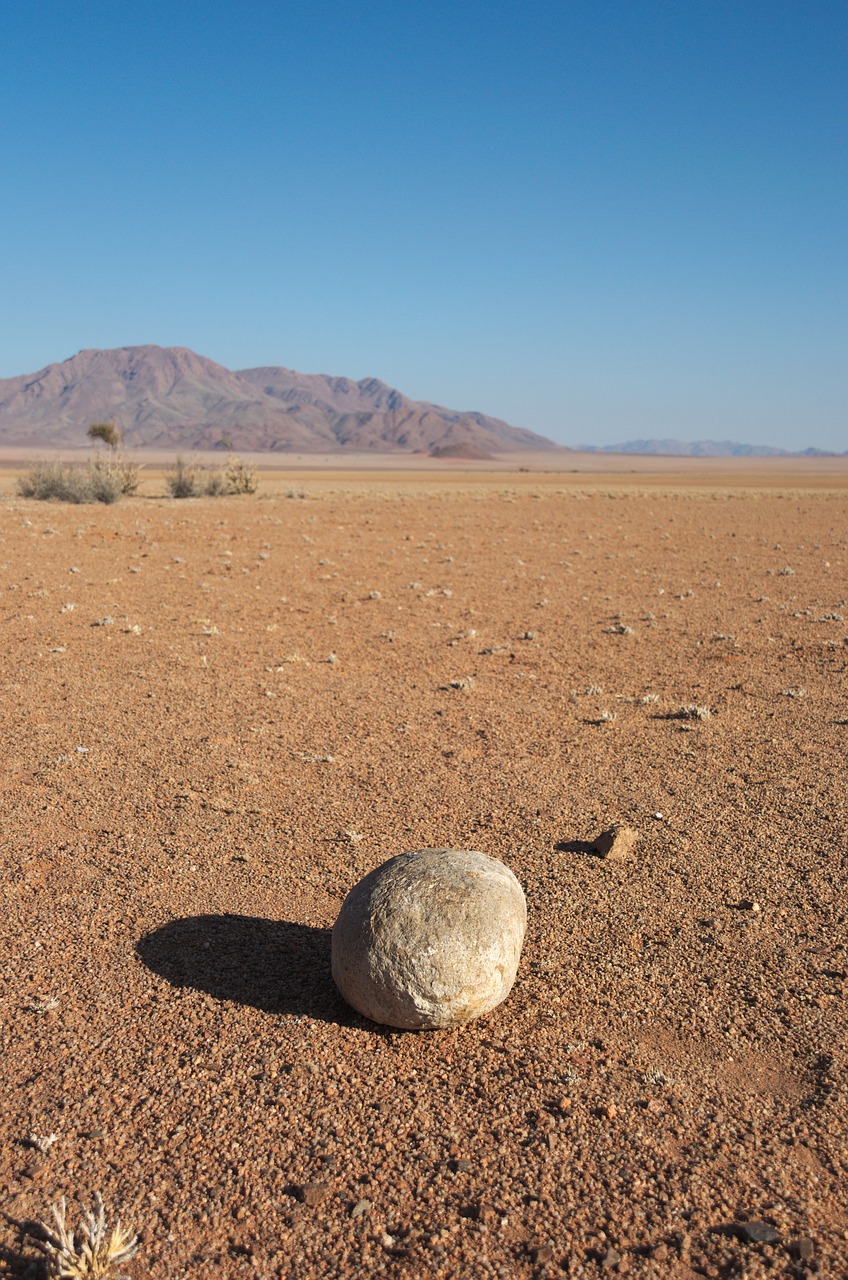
(95, 1254)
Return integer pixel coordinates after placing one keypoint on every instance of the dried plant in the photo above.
(190, 480)
(691, 712)
(95, 1254)
(182, 479)
(62, 482)
(42, 1142)
(240, 477)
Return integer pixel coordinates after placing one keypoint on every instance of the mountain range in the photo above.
(172, 398)
(702, 449)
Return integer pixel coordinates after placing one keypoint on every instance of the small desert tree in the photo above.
(116, 466)
(107, 432)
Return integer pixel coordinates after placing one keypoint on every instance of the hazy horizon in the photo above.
(601, 226)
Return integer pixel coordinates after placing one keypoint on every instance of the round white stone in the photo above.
(430, 939)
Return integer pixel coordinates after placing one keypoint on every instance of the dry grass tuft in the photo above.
(95, 1254)
(691, 712)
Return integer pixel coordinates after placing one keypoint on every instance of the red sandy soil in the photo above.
(190, 787)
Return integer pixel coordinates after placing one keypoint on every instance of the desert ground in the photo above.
(218, 714)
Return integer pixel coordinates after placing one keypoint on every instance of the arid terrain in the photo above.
(218, 714)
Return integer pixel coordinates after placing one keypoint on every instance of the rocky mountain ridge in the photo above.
(173, 398)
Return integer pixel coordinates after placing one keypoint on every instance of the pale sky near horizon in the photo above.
(601, 221)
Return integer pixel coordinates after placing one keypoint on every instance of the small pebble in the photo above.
(312, 1193)
(757, 1232)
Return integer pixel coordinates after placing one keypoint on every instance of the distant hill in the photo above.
(702, 449)
(172, 398)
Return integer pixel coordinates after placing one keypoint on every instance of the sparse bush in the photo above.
(43, 480)
(188, 480)
(128, 472)
(240, 477)
(182, 480)
(64, 482)
(104, 480)
(215, 484)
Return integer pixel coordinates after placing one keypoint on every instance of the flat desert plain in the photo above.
(218, 714)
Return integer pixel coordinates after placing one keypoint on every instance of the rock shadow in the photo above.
(273, 965)
(577, 846)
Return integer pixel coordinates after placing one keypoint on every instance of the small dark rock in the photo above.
(757, 1232)
(461, 1166)
(804, 1249)
(541, 1252)
(312, 1193)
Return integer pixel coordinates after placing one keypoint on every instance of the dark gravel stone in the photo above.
(312, 1193)
(804, 1249)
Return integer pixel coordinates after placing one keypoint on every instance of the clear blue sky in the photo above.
(600, 220)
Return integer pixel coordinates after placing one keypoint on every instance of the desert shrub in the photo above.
(128, 472)
(188, 480)
(182, 480)
(43, 480)
(63, 482)
(240, 477)
(103, 481)
(214, 484)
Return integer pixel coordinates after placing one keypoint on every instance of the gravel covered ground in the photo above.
(218, 714)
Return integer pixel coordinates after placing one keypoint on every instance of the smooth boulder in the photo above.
(431, 938)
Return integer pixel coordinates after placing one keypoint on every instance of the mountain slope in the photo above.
(170, 397)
